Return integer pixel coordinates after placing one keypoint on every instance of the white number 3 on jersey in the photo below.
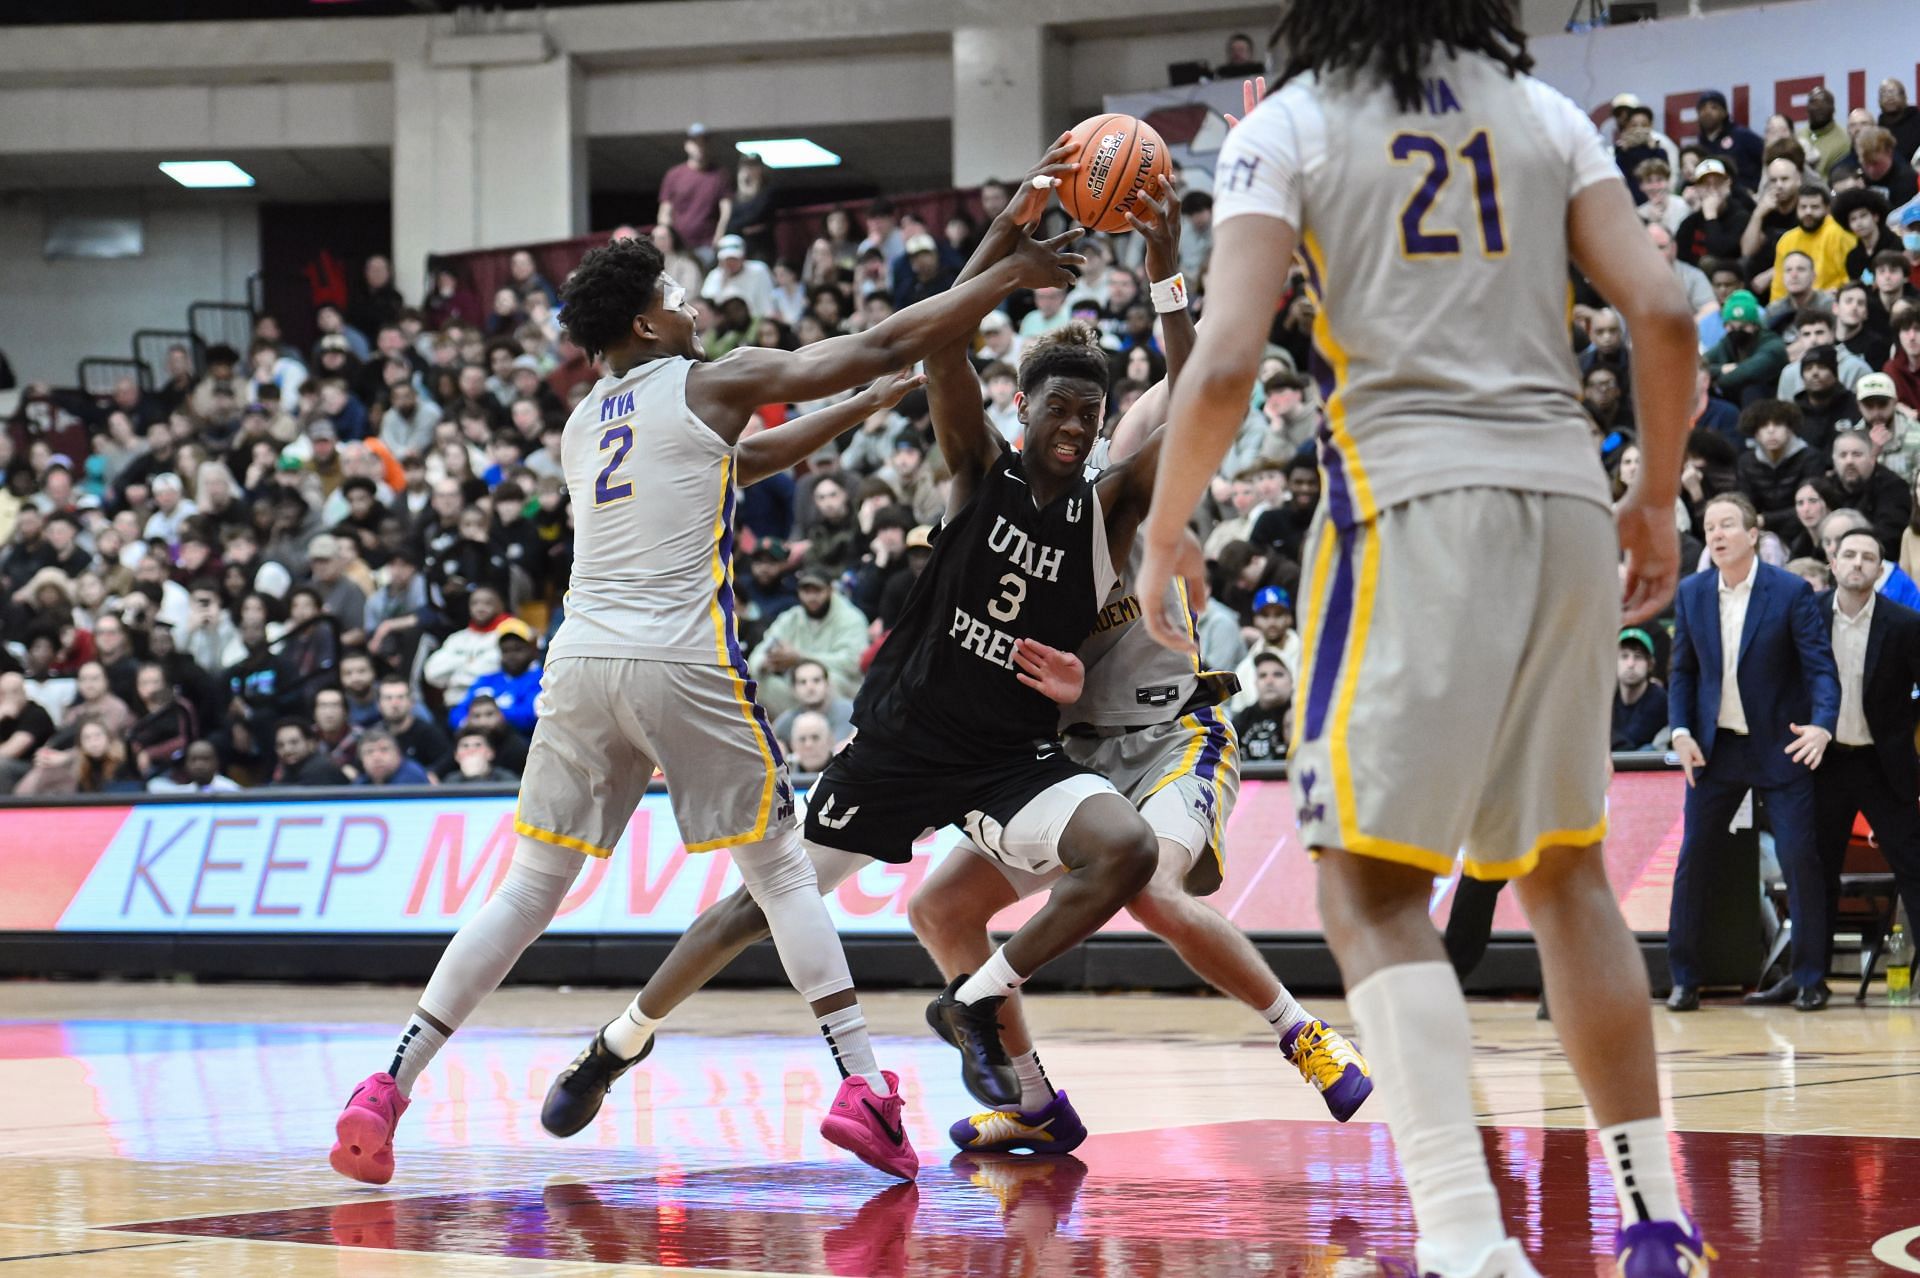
(1007, 606)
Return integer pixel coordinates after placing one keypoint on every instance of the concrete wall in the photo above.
(52, 313)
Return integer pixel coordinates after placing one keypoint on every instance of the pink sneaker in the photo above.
(865, 1125)
(363, 1148)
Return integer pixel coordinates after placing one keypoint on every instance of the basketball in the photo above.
(1118, 157)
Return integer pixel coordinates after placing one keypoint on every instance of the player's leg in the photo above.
(1540, 823)
(1109, 853)
(950, 913)
(1400, 712)
(569, 807)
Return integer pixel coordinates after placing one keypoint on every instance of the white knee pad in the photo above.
(784, 884)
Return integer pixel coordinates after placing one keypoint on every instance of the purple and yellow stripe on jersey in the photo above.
(726, 644)
(1211, 755)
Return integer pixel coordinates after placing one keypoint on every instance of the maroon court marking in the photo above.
(1272, 1197)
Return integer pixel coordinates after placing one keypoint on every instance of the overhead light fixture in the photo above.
(206, 173)
(789, 153)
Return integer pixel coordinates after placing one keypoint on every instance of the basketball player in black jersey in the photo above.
(958, 718)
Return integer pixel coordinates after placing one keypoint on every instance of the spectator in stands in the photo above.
(1605, 404)
(1285, 526)
(1863, 213)
(416, 736)
(527, 280)
(340, 597)
(301, 761)
(1823, 138)
(1262, 726)
(810, 742)
(334, 732)
(832, 536)
(1903, 366)
(1272, 632)
(399, 614)
(1796, 273)
(1855, 327)
(468, 653)
(735, 275)
(883, 233)
(1884, 167)
(199, 774)
(1737, 146)
(1745, 365)
(1813, 329)
(474, 762)
(172, 510)
(750, 215)
(1693, 280)
(382, 763)
(514, 687)
(923, 272)
(1861, 483)
(450, 301)
(1780, 460)
(1659, 206)
(813, 692)
(24, 728)
(1049, 312)
(1824, 403)
(210, 638)
(1714, 229)
(1639, 700)
(826, 628)
(1825, 242)
(907, 475)
(1196, 236)
(1890, 425)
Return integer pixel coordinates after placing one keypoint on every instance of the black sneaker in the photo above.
(575, 1096)
(974, 1028)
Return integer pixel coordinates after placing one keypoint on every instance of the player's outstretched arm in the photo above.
(724, 392)
(772, 451)
(968, 442)
(1613, 252)
(1243, 291)
(1161, 231)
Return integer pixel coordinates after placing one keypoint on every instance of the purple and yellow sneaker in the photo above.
(1052, 1129)
(1333, 1065)
(1661, 1249)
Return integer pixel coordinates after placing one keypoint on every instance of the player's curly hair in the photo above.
(1394, 38)
(1072, 350)
(611, 285)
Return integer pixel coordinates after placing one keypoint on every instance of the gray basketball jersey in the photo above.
(653, 495)
(1435, 245)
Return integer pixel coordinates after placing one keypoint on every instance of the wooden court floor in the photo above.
(160, 1129)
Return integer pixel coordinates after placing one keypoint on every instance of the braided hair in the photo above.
(1394, 38)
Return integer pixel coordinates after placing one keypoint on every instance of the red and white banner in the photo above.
(424, 865)
(1765, 59)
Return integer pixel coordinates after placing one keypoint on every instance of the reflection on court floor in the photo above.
(188, 1145)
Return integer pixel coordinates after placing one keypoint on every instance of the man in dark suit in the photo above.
(1870, 767)
(1754, 700)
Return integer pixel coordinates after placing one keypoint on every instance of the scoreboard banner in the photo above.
(282, 863)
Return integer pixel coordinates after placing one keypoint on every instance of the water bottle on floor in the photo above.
(1899, 967)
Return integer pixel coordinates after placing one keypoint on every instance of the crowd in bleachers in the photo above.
(342, 563)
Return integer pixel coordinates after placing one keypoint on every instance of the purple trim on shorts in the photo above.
(1332, 641)
(734, 655)
(1209, 763)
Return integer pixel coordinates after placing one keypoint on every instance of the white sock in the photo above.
(1413, 1021)
(418, 1044)
(1036, 1091)
(627, 1033)
(1641, 1160)
(1283, 1014)
(995, 979)
(846, 1034)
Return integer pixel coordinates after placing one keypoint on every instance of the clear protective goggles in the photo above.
(673, 294)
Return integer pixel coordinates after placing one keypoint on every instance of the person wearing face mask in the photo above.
(1745, 365)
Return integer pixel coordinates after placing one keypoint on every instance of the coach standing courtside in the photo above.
(1754, 701)
(1870, 767)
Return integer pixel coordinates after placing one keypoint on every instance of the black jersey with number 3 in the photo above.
(943, 686)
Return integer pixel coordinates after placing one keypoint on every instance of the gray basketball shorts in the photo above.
(605, 722)
(1182, 776)
(1456, 682)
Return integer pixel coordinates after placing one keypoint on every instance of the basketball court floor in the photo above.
(152, 1129)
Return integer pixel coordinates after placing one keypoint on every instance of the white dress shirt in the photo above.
(1733, 620)
(1850, 654)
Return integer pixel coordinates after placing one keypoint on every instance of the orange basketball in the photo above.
(1118, 158)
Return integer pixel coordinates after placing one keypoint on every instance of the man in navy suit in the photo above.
(1754, 699)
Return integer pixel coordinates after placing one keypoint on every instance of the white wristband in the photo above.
(1169, 294)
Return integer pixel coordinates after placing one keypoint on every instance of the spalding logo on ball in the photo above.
(1118, 157)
